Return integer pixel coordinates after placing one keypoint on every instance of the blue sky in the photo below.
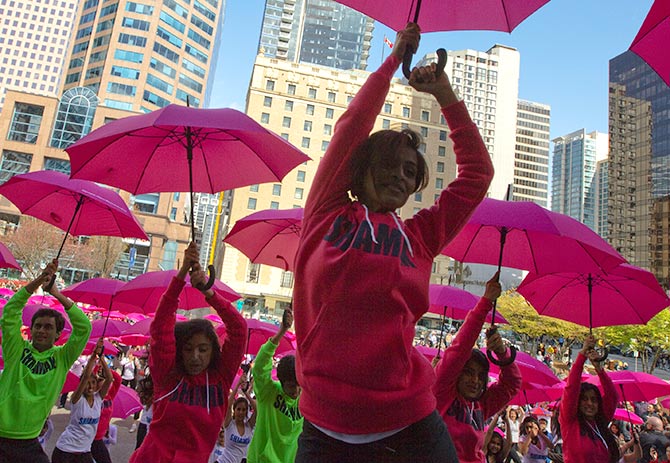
(565, 48)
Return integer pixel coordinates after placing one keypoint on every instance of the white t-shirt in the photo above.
(128, 369)
(80, 432)
(514, 431)
(536, 453)
(216, 454)
(147, 415)
(236, 444)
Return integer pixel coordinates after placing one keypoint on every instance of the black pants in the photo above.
(426, 441)
(22, 451)
(99, 452)
(65, 457)
(142, 430)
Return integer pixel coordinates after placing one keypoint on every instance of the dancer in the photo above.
(99, 449)
(35, 370)
(464, 398)
(191, 374)
(238, 426)
(497, 447)
(585, 413)
(534, 445)
(362, 277)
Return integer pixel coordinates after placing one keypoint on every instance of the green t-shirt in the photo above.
(278, 420)
(32, 380)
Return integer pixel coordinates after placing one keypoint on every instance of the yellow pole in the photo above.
(216, 228)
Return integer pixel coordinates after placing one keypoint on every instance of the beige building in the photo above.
(302, 102)
(29, 125)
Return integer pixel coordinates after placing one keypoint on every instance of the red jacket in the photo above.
(188, 410)
(362, 279)
(108, 406)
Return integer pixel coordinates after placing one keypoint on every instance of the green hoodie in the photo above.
(278, 420)
(32, 380)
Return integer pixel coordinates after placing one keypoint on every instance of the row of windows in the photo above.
(15, 163)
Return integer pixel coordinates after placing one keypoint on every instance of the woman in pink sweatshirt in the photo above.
(362, 276)
(585, 413)
(191, 373)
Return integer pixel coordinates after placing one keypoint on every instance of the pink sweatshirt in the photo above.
(465, 420)
(578, 447)
(362, 279)
(188, 410)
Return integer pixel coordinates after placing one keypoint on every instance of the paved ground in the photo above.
(125, 440)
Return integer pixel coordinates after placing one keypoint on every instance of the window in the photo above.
(327, 129)
(274, 205)
(190, 83)
(147, 203)
(443, 135)
(417, 196)
(441, 151)
(26, 122)
(324, 145)
(424, 131)
(276, 189)
(173, 213)
(286, 280)
(175, 196)
(58, 165)
(425, 116)
(267, 101)
(169, 255)
(126, 73)
(172, 22)
(405, 111)
(251, 204)
(439, 183)
(270, 85)
(307, 126)
(310, 110)
(160, 84)
(300, 177)
(305, 142)
(330, 113)
(387, 108)
(158, 66)
(290, 89)
(331, 97)
(440, 167)
(288, 105)
(14, 163)
(253, 188)
(253, 272)
(298, 193)
(386, 123)
(286, 122)
(74, 118)
(311, 93)
(131, 56)
(265, 118)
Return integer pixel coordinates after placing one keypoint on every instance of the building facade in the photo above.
(531, 153)
(639, 167)
(573, 174)
(319, 32)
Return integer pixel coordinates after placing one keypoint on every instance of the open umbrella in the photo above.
(268, 237)
(651, 41)
(260, 331)
(532, 370)
(105, 327)
(30, 309)
(134, 339)
(636, 386)
(178, 148)
(626, 415)
(126, 402)
(146, 290)
(7, 259)
(109, 348)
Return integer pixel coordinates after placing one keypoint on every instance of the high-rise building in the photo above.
(316, 31)
(34, 39)
(573, 170)
(144, 56)
(531, 153)
(601, 187)
(639, 164)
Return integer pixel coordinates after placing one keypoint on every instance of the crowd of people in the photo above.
(357, 390)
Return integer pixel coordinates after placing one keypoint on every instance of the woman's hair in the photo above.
(145, 389)
(381, 148)
(499, 456)
(240, 400)
(479, 357)
(526, 420)
(184, 331)
(602, 423)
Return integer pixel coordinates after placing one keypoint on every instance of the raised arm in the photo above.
(570, 401)
(610, 394)
(229, 410)
(88, 371)
(286, 323)
(109, 377)
(252, 403)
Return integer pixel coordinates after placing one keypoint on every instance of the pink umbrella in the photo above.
(455, 303)
(141, 327)
(145, 291)
(99, 292)
(136, 317)
(126, 402)
(6, 292)
(116, 315)
(636, 386)
(532, 393)
(651, 41)
(212, 317)
(626, 295)
(532, 370)
(134, 339)
(109, 348)
(7, 259)
(181, 318)
(71, 383)
(105, 327)
(625, 415)
(30, 309)
(428, 352)
(260, 331)
(268, 237)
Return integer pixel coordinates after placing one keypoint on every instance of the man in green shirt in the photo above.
(34, 370)
(278, 422)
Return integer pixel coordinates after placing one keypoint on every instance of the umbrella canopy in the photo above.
(30, 309)
(426, 351)
(449, 15)
(636, 385)
(78, 207)
(260, 331)
(134, 339)
(527, 236)
(455, 303)
(126, 402)
(104, 327)
(651, 41)
(7, 292)
(268, 237)
(148, 153)
(7, 259)
(628, 416)
(626, 295)
(532, 393)
(97, 291)
(532, 370)
(109, 348)
(146, 290)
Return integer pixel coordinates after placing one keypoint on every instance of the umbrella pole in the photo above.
(630, 421)
(109, 312)
(439, 341)
(492, 329)
(525, 397)
(590, 289)
(67, 233)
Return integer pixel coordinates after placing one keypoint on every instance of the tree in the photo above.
(101, 254)
(650, 340)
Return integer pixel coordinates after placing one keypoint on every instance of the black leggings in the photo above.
(66, 457)
(22, 451)
(100, 452)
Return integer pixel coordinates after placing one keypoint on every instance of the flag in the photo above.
(388, 42)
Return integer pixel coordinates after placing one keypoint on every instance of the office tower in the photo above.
(33, 44)
(639, 167)
(573, 170)
(143, 56)
(531, 154)
(601, 188)
(317, 32)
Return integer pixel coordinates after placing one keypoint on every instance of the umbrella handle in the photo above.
(407, 61)
(48, 287)
(501, 363)
(603, 356)
(212, 276)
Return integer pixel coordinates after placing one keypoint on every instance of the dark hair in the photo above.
(528, 419)
(47, 312)
(602, 423)
(145, 389)
(184, 331)
(479, 357)
(240, 400)
(286, 369)
(499, 456)
(381, 148)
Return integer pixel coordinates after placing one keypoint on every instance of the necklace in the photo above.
(597, 433)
